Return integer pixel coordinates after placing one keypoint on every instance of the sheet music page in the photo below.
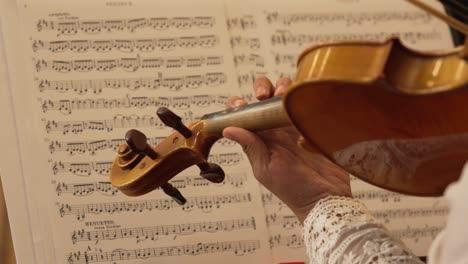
(10, 164)
(275, 34)
(250, 59)
(98, 68)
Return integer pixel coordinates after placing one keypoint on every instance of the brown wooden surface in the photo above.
(7, 254)
(389, 115)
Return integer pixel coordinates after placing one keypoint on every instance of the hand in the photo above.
(298, 177)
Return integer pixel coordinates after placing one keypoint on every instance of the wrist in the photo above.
(302, 212)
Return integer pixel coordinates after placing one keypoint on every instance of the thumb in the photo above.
(251, 143)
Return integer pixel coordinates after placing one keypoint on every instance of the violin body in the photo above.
(393, 117)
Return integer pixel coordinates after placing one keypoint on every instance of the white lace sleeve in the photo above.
(341, 230)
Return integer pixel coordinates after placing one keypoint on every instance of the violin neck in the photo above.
(254, 117)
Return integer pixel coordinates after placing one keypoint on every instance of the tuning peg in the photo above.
(211, 171)
(174, 193)
(137, 142)
(170, 119)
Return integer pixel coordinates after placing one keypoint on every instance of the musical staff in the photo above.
(95, 86)
(386, 215)
(285, 221)
(235, 180)
(269, 198)
(73, 27)
(92, 147)
(244, 22)
(285, 59)
(205, 204)
(118, 121)
(83, 189)
(290, 241)
(348, 19)
(417, 233)
(103, 167)
(131, 64)
(239, 248)
(153, 232)
(126, 45)
(240, 41)
(249, 78)
(181, 102)
(286, 38)
(383, 196)
(82, 168)
(251, 59)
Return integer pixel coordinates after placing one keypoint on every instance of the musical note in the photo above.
(205, 204)
(181, 102)
(153, 232)
(286, 38)
(73, 27)
(244, 22)
(82, 168)
(249, 78)
(285, 221)
(347, 18)
(119, 121)
(388, 214)
(383, 196)
(239, 248)
(288, 59)
(83, 189)
(131, 64)
(95, 86)
(290, 241)
(235, 180)
(103, 167)
(417, 233)
(241, 41)
(92, 147)
(126, 45)
(251, 59)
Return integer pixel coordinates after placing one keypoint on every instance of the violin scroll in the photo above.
(140, 168)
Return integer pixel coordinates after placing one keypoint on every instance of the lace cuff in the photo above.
(341, 230)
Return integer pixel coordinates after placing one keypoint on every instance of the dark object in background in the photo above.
(459, 10)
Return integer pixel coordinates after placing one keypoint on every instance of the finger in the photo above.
(252, 144)
(235, 101)
(263, 88)
(282, 85)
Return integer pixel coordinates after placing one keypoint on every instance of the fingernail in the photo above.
(238, 103)
(282, 87)
(261, 91)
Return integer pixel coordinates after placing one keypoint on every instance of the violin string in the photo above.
(457, 7)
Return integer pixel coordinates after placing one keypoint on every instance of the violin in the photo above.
(387, 114)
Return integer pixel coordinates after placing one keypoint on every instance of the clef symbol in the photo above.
(44, 106)
(39, 65)
(59, 189)
(62, 210)
(54, 168)
(39, 25)
(52, 147)
(73, 238)
(34, 46)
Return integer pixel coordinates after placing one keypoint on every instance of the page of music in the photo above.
(95, 69)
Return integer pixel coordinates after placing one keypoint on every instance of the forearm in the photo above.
(341, 230)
